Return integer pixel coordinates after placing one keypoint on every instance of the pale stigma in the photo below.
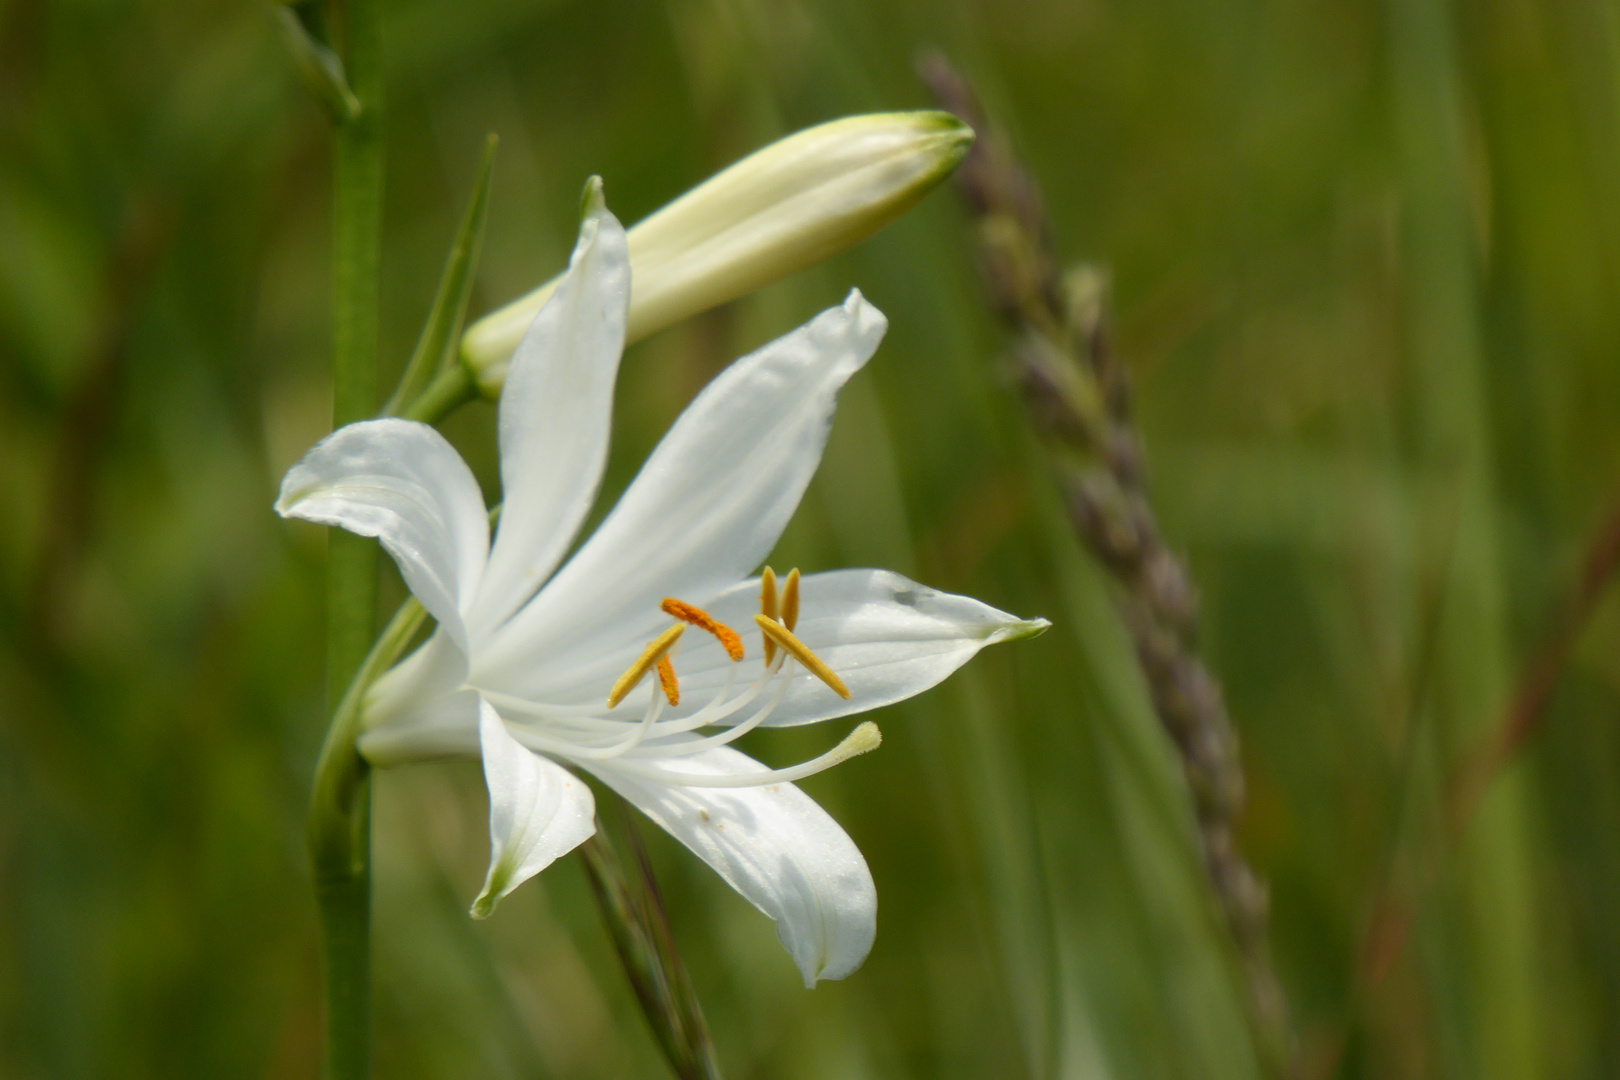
(864, 739)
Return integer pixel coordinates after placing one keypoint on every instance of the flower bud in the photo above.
(798, 201)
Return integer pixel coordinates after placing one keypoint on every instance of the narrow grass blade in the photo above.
(633, 911)
(435, 349)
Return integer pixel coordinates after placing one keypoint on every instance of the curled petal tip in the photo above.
(593, 198)
(1021, 630)
(863, 313)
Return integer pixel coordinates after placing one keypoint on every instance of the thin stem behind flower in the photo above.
(633, 910)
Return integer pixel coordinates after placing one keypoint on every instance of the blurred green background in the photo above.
(1367, 280)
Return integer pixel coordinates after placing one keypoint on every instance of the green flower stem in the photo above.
(340, 816)
(357, 232)
(340, 851)
(342, 773)
(452, 388)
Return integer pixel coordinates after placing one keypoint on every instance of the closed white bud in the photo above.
(786, 207)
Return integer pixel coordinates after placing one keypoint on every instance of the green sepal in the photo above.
(435, 351)
(318, 65)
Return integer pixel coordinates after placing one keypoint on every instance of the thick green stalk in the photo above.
(344, 903)
(339, 826)
(340, 851)
(357, 231)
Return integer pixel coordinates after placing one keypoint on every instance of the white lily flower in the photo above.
(533, 668)
(790, 205)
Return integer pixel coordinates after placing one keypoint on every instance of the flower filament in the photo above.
(582, 734)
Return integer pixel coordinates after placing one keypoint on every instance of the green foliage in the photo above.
(1364, 260)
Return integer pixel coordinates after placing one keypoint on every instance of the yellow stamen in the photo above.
(797, 649)
(790, 600)
(680, 609)
(644, 663)
(767, 607)
(666, 679)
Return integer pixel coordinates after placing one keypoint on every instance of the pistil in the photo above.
(863, 739)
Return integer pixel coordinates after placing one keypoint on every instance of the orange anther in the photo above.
(679, 609)
(649, 658)
(790, 600)
(666, 679)
(767, 608)
(801, 652)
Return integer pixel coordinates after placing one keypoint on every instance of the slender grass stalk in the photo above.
(633, 911)
(1483, 969)
(340, 810)
(1525, 714)
(699, 1044)
(1078, 399)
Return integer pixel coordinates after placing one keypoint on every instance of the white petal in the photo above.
(555, 413)
(449, 730)
(420, 709)
(710, 502)
(886, 636)
(403, 483)
(538, 811)
(775, 846)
